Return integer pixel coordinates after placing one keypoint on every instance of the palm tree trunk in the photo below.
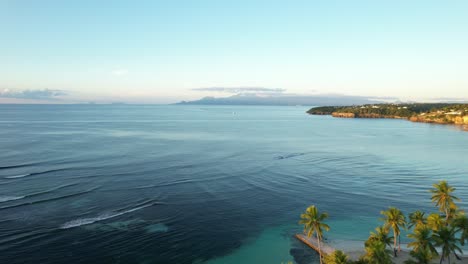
(320, 249)
(394, 242)
(399, 243)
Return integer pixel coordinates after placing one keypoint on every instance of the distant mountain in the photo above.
(283, 99)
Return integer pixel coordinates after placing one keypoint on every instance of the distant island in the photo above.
(284, 100)
(439, 113)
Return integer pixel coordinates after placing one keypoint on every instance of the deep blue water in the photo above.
(189, 184)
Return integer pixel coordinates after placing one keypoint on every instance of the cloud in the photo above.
(32, 94)
(119, 72)
(236, 90)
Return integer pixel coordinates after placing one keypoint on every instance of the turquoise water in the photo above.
(205, 184)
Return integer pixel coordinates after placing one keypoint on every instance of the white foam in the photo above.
(17, 176)
(9, 198)
(104, 216)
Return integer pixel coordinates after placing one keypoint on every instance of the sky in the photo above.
(152, 51)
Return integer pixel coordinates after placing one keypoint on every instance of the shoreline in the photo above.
(433, 113)
(404, 255)
(462, 127)
(355, 249)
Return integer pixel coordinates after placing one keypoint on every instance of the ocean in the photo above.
(206, 184)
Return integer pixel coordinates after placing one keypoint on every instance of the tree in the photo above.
(381, 234)
(376, 252)
(417, 219)
(394, 219)
(422, 241)
(313, 223)
(422, 256)
(338, 257)
(461, 226)
(445, 238)
(435, 222)
(443, 198)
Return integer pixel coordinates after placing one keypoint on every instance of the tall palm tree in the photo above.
(417, 219)
(313, 223)
(422, 240)
(443, 198)
(422, 256)
(435, 222)
(381, 234)
(338, 257)
(452, 213)
(394, 219)
(376, 252)
(445, 238)
(461, 226)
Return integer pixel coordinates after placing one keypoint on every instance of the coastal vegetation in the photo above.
(439, 113)
(313, 222)
(437, 236)
(395, 220)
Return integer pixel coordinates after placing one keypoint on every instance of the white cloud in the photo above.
(33, 94)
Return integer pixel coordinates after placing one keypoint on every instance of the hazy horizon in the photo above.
(166, 52)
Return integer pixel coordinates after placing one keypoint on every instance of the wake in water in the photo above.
(10, 198)
(17, 176)
(17, 166)
(288, 156)
(13, 198)
(104, 216)
(51, 199)
(31, 174)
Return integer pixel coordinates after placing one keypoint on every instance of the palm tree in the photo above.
(338, 257)
(422, 256)
(445, 238)
(435, 222)
(395, 220)
(381, 234)
(423, 240)
(417, 219)
(461, 226)
(312, 220)
(376, 252)
(452, 213)
(443, 198)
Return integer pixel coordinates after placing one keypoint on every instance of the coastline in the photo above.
(417, 119)
(354, 250)
(434, 113)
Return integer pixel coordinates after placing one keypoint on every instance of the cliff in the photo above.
(343, 115)
(441, 119)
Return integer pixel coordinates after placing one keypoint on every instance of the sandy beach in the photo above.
(404, 255)
(354, 249)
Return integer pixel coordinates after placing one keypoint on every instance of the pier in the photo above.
(312, 242)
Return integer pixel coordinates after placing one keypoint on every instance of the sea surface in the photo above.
(206, 184)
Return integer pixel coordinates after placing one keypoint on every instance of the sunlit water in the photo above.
(214, 184)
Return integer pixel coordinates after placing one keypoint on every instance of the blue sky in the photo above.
(166, 51)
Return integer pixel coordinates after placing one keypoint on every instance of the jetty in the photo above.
(312, 242)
